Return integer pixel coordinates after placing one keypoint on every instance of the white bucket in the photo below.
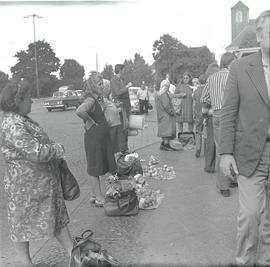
(136, 121)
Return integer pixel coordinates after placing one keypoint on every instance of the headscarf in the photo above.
(164, 86)
(106, 88)
(90, 86)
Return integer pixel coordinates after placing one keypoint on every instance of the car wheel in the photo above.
(49, 109)
(65, 107)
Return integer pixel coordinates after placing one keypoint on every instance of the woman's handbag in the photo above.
(128, 168)
(122, 204)
(88, 253)
(70, 186)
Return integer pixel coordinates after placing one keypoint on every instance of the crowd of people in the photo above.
(229, 105)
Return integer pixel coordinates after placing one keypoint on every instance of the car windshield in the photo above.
(58, 94)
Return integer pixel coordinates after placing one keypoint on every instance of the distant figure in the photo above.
(213, 96)
(165, 116)
(120, 93)
(186, 111)
(36, 207)
(245, 147)
(143, 96)
(97, 143)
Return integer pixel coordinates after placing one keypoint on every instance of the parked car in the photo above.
(63, 100)
(134, 100)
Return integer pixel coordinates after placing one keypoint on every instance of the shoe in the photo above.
(233, 184)
(167, 147)
(225, 193)
(197, 154)
(92, 199)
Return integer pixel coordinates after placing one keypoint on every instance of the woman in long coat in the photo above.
(165, 116)
(186, 110)
(36, 208)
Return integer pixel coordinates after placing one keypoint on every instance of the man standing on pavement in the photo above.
(120, 93)
(245, 146)
(143, 96)
(212, 96)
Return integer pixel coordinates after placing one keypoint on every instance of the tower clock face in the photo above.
(239, 16)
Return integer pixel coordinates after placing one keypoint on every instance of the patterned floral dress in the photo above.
(36, 208)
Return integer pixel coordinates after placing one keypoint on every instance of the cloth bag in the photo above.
(128, 168)
(70, 186)
(88, 253)
(122, 204)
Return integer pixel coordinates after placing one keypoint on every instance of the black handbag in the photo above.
(122, 204)
(88, 253)
(128, 168)
(70, 186)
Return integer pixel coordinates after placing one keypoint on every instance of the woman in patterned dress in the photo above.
(36, 208)
(186, 111)
(98, 147)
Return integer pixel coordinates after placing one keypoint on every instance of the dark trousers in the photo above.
(210, 148)
(143, 106)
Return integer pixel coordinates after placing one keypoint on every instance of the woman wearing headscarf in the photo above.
(165, 116)
(36, 208)
(98, 147)
(186, 110)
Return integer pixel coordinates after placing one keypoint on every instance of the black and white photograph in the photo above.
(135, 133)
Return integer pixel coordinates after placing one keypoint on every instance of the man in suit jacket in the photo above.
(245, 146)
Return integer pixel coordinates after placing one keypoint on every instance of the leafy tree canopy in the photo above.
(249, 40)
(174, 58)
(26, 66)
(71, 72)
(137, 70)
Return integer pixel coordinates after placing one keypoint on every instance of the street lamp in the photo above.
(34, 16)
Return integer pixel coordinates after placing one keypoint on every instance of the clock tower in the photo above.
(239, 18)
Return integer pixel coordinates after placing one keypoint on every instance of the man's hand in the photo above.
(129, 84)
(228, 166)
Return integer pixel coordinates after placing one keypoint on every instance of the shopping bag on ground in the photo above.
(186, 138)
(88, 253)
(121, 203)
(129, 167)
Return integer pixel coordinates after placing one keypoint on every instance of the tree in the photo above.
(3, 80)
(107, 72)
(249, 40)
(47, 64)
(165, 51)
(174, 58)
(137, 71)
(71, 72)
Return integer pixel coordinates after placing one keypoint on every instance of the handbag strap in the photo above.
(85, 235)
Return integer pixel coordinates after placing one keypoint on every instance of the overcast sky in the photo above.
(116, 30)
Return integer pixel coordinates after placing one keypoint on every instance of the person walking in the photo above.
(212, 96)
(245, 147)
(120, 93)
(143, 96)
(165, 116)
(36, 207)
(98, 148)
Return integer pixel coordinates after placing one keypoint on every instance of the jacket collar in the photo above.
(256, 73)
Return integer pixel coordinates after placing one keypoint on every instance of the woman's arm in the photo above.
(18, 142)
(82, 112)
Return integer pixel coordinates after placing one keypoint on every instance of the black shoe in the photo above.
(167, 147)
(225, 193)
(233, 184)
(197, 154)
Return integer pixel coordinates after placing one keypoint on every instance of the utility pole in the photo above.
(34, 16)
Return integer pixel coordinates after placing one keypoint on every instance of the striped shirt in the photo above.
(214, 89)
